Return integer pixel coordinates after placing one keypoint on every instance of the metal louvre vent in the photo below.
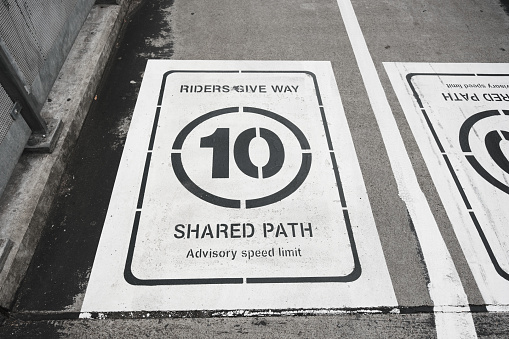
(29, 29)
(19, 40)
(6, 105)
(47, 19)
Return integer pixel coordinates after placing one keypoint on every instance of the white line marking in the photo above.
(445, 286)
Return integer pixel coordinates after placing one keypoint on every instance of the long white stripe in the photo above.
(445, 286)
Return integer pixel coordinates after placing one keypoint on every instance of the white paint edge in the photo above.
(497, 308)
(445, 287)
(454, 325)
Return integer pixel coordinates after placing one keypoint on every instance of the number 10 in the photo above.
(219, 141)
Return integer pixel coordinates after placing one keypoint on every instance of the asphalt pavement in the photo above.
(50, 299)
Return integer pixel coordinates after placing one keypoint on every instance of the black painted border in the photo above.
(459, 186)
(133, 280)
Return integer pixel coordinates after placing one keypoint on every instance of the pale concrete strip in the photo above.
(29, 194)
(445, 285)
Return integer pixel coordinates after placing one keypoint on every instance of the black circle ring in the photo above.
(184, 179)
(465, 147)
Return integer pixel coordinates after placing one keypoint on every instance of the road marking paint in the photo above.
(458, 114)
(445, 286)
(200, 221)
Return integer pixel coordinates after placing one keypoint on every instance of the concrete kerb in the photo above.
(29, 194)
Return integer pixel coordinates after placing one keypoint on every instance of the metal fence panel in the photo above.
(35, 38)
(38, 35)
(6, 105)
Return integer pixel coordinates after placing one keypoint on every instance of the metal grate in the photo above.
(6, 105)
(29, 29)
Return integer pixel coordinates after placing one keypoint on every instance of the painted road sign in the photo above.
(459, 114)
(239, 187)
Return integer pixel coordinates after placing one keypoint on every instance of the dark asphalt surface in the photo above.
(49, 300)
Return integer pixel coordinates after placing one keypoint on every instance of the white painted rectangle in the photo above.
(459, 114)
(238, 188)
